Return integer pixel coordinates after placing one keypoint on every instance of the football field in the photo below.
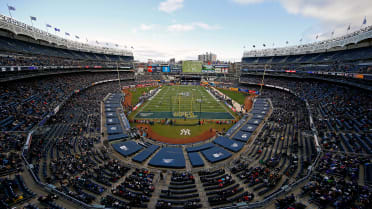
(190, 102)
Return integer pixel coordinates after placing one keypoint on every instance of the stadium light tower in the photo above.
(117, 70)
(200, 108)
(263, 78)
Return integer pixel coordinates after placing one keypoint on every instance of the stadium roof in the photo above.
(351, 38)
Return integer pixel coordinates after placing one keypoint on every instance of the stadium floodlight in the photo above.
(117, 69)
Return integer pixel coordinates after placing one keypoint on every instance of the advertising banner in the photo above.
(208, 69)
(165, 69)
(149, 69)
(244, 90)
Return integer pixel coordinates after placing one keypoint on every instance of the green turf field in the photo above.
(137, 93)
(184, 102)
(174, 131)
(238, 97)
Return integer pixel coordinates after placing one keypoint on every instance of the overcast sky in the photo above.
(162, 29)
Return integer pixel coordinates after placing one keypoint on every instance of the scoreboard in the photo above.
(192, 66)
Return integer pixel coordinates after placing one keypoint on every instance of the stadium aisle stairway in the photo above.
(179, 198)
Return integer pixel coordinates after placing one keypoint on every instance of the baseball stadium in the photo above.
(104, 122)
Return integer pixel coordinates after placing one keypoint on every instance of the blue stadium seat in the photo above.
(169, 157)
(145, 154)
(229, 144)
(216, 154)
(195, 159)
(127, 148)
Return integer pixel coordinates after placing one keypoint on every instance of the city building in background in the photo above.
(172, 61)
(207, 57)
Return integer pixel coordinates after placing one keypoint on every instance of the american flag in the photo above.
(11, 8)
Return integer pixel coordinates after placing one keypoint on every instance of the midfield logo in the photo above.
(185, 132)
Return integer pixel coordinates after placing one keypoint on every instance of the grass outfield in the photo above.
(174, 131)
(183, 99)
(137, 93)
(238, 97)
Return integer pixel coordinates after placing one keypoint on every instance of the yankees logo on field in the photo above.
(185, 132)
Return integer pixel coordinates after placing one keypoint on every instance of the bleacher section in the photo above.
(113, 125)
(221, 188)
(195, 159)
(18, 46)
(242, 136)
(216, 154)
(168, 157)
(306, 137)
(181, 193)
(145, 154)
(127, 148)
(363, 53)
(229, 144)
(199, 148)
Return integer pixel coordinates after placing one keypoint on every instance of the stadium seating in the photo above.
(145, 154)
(195, 159)
(229, 144)
(270, 151)
(216, 154)
(25, 106)
(127, 148)
(199, 148)
(168, 157)
(327, 57)
(175, 198)
(17, 46)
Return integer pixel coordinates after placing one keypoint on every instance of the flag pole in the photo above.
(32, 24)
(9, 11)
(348, 29)
(364, 22)
(46, 27)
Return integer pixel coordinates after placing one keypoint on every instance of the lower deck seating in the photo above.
(216, 154)
(145, 154)
(185, 198)
(221, 188)
(127, 148)
(232, 145)
(195, 159)
(169, 157)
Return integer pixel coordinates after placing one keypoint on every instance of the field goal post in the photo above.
(182, 112)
